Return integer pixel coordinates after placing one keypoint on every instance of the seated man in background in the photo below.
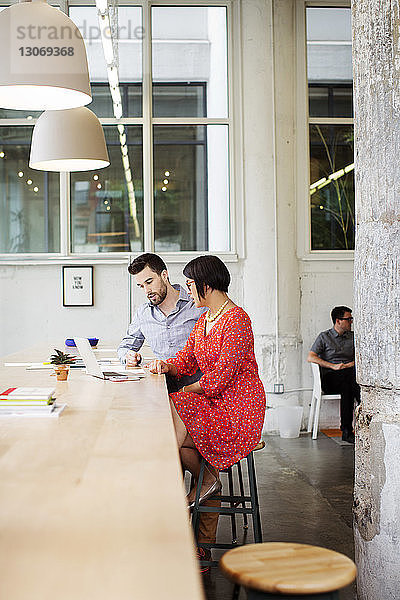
(333, 351)
(165, 322)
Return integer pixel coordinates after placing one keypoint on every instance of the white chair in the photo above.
(317, 397)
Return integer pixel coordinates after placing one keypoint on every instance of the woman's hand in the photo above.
(159, 367)
(194, 388)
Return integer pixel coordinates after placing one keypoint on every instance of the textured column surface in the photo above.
(376, 56)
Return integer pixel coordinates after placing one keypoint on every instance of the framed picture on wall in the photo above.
(77, 285)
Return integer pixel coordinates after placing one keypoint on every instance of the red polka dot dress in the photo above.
(226, 422)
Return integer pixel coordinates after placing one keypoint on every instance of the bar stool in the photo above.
(238, 504)
(278, 570)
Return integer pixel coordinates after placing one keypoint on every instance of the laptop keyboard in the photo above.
(115, 374)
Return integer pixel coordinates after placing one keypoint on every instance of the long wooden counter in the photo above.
(92, 504)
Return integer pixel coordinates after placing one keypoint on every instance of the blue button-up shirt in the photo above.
(166, 335)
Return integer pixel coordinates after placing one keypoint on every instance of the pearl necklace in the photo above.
(216, 315)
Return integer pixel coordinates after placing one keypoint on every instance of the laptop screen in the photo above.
(88, 357)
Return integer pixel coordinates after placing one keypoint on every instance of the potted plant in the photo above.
(62, 362)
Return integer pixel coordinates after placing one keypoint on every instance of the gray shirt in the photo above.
(334, 348)
(166, 335)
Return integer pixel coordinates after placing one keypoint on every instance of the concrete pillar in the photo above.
(376, 52)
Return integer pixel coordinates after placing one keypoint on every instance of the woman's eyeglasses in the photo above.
(189, 283)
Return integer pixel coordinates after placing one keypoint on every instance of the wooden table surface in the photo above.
(92, 504)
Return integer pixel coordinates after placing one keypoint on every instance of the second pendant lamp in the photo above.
(68, 140)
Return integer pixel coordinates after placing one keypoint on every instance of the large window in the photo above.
(29, 199)
(167, 188)
(329, 68)
(106, 215)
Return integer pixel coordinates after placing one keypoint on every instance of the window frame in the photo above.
(303, 121)
(147, 121)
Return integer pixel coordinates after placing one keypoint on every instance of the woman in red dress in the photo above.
(220, 417)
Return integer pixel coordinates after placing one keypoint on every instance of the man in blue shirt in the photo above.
(165, 321)
(333, 351)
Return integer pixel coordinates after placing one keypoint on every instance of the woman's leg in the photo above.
(190, 456)
(191, 461)
(180, 427)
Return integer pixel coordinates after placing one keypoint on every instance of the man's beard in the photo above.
(159, 296)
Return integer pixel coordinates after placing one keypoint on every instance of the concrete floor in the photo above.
(305, 488)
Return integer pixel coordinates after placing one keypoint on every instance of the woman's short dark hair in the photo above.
(338, 312)
(208, 271)
(148, 259)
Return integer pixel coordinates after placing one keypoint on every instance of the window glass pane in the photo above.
(191, 188)
(107, 205)
(29, 199)
(132, 96)
(186, 100)
(190, 46)
(329, 44)
(329, 62)
(332, 187)
(318, 101)
(342, 101)
(330, 101)
(8, 113)
(129, 35)
(101, 104)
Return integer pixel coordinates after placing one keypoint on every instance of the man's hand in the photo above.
(159, 367)
(132, 358)
(314, 358)
(338, 366)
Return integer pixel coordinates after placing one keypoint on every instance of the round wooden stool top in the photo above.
(286, 568)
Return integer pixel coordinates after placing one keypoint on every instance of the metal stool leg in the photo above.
(255, 512)
(233, 516)
(241, 488)
(236, 592)
(244, 502)
(195, 513)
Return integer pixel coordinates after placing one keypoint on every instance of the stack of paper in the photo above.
(29, 401)
(27, 394)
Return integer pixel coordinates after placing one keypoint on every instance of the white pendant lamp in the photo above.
(68, 140)
(43, 63)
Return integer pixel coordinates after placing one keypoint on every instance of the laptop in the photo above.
(95, 369)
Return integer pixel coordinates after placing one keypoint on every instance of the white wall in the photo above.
(31, 309)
